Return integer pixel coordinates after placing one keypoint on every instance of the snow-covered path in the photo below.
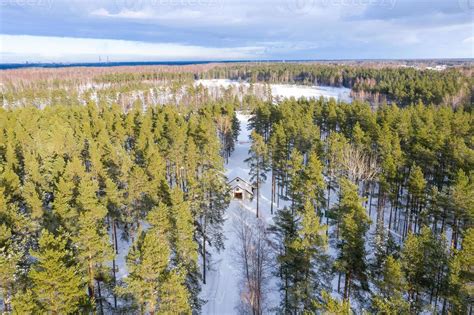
(222, 288)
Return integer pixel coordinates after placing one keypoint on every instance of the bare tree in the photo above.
(359, 165)
(361, 168)
(254, 256)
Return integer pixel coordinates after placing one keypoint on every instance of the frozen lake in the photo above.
(286, 90)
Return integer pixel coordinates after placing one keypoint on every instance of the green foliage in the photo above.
(331, 306)
(147, 264)
(258, 163)
(424, 261)
(174, 296)
(390, 300)
(354, 224)
(462, 275)
(401, 85)
(88, 165)
(56, 283)
(303, 261)
(313, 182)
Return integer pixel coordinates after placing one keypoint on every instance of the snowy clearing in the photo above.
(285, 90)
(222, 288)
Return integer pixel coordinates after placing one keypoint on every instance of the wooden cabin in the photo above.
(241, 189)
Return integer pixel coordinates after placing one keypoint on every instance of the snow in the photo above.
(285, 90)
(221, 290)
(225, 83)
(121, 258)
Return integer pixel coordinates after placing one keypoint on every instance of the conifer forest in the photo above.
(117, 191)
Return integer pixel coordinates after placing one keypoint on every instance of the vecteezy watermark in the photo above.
(302, 7)
(467, 5)
(27, 3)
(390, 4)
(140, 4)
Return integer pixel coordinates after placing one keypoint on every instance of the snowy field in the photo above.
(286, 90)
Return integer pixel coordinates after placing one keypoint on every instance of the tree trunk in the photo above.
(100, 298)
(115, 235)
(328, 207)
(370, 199)
(407, 216)
(347, 283)
(204, 254)
(273, 191)
(91, 280)
(390, 217)
(258, 188)
(115, 282)
(339, 283)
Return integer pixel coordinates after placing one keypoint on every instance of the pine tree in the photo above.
(390, 299)
(91, 237)
(63, 203)
(289, 258)
(354, 224)
(56, 284)
(147, 263)
(359, 137)
(10, 257)
(174, 296)
(312, 243)
(209, 196)
(295, 174)
(415, 199)
(186, 249)
(65, 194)
(210, 200)
(461, 276)
(138, 198)
(330, 306)
(313, 182)
(258, 163)
(462, 203)
(424, 262)
(278, 149)
(184, 229)
(412, 259)
(23, 302)
(336, 145)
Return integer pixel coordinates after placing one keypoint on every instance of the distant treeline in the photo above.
(399, 85)
(144, 76)
(403, 86)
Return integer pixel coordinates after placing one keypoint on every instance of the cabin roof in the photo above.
(242, 183)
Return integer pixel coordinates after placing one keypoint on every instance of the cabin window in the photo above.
(238, 195)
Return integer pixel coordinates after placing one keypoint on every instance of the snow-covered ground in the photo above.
(222, 288)
(286, 90)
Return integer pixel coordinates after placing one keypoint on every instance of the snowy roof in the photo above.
(242, 183)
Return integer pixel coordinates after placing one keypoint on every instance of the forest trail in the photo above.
(222, 288)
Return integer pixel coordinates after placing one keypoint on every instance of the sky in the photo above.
(184, 30)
